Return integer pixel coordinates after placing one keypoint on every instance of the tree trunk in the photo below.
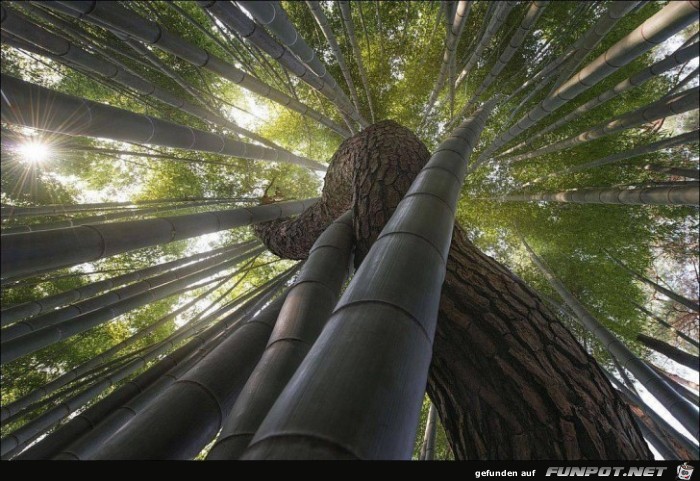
(671, 352)
(509, 382)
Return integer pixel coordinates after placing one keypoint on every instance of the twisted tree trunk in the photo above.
(508, 380)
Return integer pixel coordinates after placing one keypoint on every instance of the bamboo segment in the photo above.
(46, 334)
(673, 18)
(9, 211)
(41, 108)
(685, 412)
(273, 16)
(96, 362)
(499, 16)
(666, 107)
(358, 392)
(683, 195)
(687, 138)
(533, 14)
(591, 39)
(91, 427)
(306, 309)
(322, 21)
(454, 31)
(188, 414)
(678, 333)
(357, 53)
(122, 213)
(33, 308)
(674, 60)
(689, 303)
(427, 451)
(677, 171)
(26, 253)
(236, 20)
(59, 49)
(680, 356)
(129, 23)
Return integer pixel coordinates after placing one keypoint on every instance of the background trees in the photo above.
(401, 61)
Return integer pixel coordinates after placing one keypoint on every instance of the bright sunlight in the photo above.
(34, 151)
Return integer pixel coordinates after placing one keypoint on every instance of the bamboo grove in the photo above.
(349, 230)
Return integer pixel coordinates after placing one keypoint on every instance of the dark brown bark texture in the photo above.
(508, 380)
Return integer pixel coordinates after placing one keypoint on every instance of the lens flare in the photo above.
(34, 152)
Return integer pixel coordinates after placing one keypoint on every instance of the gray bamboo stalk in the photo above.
(46, 334)
(130, 23)
(685, 337)
(38, 107)
(682, 386)
(27, 253)
(666, 430)
(590, 40)
(690, 304)
(499, 16)
(95, 380)
(454, 31)
(7, 211)
(87, 445)
(427, 450)
(96, 420)
(306, 309)
(680, 356)
(96, 361)
(357, 53)
(202, 395)
(371, 361)
(674, 60)
(541, 80)
(35, 427)
(678, 195)
(95, 219)
(531, 16)
(671, 19)
(682, 410)
(138, 282)
(236, 20)
(688, 78)
(39, 306)
(59, 49)
(658, 437)
(687, 138)
(273, 16)
(322, 21)
(654, 439)
(677, 171)
(623, 374)
(677, 104)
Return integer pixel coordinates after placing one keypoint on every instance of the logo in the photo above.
(684, 471)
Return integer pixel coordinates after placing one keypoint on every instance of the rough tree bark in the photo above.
(508, 380)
